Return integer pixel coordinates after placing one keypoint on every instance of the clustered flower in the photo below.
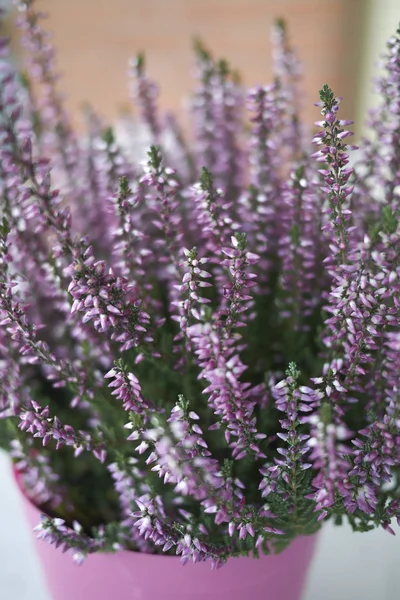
(199, 343)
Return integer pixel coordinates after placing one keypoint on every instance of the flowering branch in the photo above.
(246, 335)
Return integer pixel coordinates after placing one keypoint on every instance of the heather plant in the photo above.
(199, 350)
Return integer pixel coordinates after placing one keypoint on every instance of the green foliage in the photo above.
(124, 189)
(108, 136)
(280, 23)
(200, 49)
(207, 182)
(387, 224)
(390, 220)
(140, 63)
(241, 240)
(155, 157)
(4, 228)
(327, 96)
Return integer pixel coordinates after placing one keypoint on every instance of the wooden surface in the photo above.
(95, 39)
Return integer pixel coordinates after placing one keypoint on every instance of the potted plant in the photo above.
(198, 352)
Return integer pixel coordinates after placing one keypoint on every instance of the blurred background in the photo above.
(338, 42)
(95, 38)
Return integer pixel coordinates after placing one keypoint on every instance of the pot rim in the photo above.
(149, 555)
(18, 479)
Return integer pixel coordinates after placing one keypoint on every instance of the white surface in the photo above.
(347, 566)
(20, 576)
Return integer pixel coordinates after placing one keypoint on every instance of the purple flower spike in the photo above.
(199, 351)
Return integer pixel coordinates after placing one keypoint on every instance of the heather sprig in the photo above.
(336, 174)
(106, 299)
(199, 346)
(287, 71)
(144, 94)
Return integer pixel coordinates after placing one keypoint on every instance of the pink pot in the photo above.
(136, 576)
